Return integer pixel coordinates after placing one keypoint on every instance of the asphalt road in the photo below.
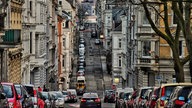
(93, 71)
(77, 105)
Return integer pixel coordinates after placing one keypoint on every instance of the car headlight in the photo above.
(10, 104)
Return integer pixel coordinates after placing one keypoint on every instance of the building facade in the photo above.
(68, 28)
(13, 30)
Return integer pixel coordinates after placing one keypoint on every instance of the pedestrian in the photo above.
(45, 89)
(40, 89)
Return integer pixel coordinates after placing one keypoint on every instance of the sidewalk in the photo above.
(106, 77)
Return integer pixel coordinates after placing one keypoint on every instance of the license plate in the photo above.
(90, 101)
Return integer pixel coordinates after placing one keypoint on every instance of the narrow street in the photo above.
(94, 72)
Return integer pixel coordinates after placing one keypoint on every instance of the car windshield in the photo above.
(185, 91)
(90, 95)
(30, 90)
(143, 92)
(65, 93)
(18, 89)
(45, 94)
(126, 95)
(59, 94)
(80, 81)
(169, 90)
(8, 91)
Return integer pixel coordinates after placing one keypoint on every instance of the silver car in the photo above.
(60, 102)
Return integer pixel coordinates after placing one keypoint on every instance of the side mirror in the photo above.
(3, 96)
(18, 97)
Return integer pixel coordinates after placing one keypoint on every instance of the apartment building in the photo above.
(68, 27)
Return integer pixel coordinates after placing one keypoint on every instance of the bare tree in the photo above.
(182, 11)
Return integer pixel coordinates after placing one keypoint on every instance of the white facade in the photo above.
(107, 28)
(36, 38)
(118, 63)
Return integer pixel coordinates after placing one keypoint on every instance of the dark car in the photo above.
(90, 100)
(178, 97)
(3, 99)
(145, 100)
(26, 99)
(32, 92)
(109, 96)
(153, 97)
(47, 98)
(188, 104)
(130, 102)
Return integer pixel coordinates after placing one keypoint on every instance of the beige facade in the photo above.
(14, 54)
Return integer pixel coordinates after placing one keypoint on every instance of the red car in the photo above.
(40, 100)
(11, 94)
(153, 97)
(130, 102)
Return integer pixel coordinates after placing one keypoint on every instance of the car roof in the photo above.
(175, 84)
(7, 83)
(90, 94)
(31, 85)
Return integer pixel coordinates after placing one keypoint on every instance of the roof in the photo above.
(7, 83)
(175, 84)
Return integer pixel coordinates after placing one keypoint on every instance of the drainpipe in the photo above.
(47, 43)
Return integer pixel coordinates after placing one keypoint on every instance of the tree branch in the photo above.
(148, 15)
(185, 59)
(166, 19)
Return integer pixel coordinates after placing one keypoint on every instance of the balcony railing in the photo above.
(11, 37)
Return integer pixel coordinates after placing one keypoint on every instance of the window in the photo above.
(60, 3)
(66, 24)
(119, 43)
(63, 61)
(31, 42)
(120, 61)
(30, 7)
(146, 47)
(145, 20)
(180, 48)
(64, 42)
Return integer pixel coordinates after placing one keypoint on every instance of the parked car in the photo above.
(25, 99)
(130, 102)
(178, 97)
(97, 41)
(119, 95)
(60, 102)
(188, 104)
(145, 99)
(139, 98)
(153, 97)
(67, 96)
(41, 100)
(109, 96)
(47, 98)
(32, 92)
(165, 92)
(3, 99)
(74, 94)
(81, 68)
(11, 94)
(53, 100)
(82, 41)
(90, 100)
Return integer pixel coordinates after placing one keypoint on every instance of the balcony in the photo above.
(11, 39)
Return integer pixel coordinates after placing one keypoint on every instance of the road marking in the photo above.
(74, 105)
